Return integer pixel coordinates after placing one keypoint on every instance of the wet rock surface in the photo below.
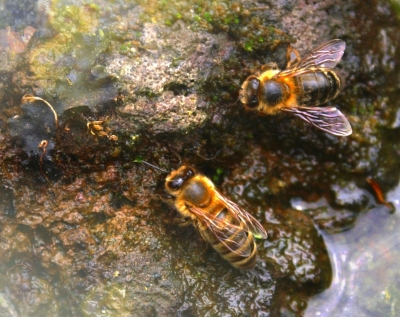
(85, 229)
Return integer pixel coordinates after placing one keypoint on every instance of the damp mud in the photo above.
(88, 91)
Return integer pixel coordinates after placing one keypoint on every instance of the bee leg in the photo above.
(170, 202)
(182, 222)
(254, 113)
(167, 199)
(260, 113)
(204, 240)
(290, 60)
(269, 66)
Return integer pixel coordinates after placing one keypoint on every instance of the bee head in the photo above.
(249, 95)
(175, 181)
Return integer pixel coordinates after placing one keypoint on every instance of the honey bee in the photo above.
(304, 84)
(229, 229)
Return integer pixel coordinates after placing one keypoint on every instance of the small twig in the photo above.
(30, 98)
(178, 157)
(163, 170)
(379, 195)
(213, 157)
(140, 160)
(42, 145)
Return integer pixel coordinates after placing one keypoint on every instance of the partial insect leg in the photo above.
(182, 222)
(289, 57)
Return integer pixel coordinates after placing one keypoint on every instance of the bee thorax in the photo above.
(274, 92)
(197, 194)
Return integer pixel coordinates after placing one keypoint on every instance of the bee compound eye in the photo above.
(252, 93)
(255, 83)
(175, 184)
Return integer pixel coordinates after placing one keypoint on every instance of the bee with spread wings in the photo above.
(305, 84)
(228, 228)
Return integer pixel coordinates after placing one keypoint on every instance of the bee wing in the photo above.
(244, 217)
(328, 119)
(326, 56)
(230, 235)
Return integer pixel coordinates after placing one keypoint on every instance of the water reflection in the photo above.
(365, 259)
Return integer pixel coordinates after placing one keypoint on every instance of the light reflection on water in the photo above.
(366, 279)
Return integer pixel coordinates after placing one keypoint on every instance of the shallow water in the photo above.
(366, 279)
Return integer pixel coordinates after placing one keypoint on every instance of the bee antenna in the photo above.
(213, 157)
(240, 97)
(153, 166)
(178, 157)
(236, 84)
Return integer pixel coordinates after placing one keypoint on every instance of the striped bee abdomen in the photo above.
(317, 87)
(235, 244)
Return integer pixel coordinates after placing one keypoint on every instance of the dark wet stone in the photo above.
(84, 229)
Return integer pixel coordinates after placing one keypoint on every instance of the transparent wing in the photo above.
(328, 119)
(245, 218)
(233, 233)
(230, 235)
(326, 56)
